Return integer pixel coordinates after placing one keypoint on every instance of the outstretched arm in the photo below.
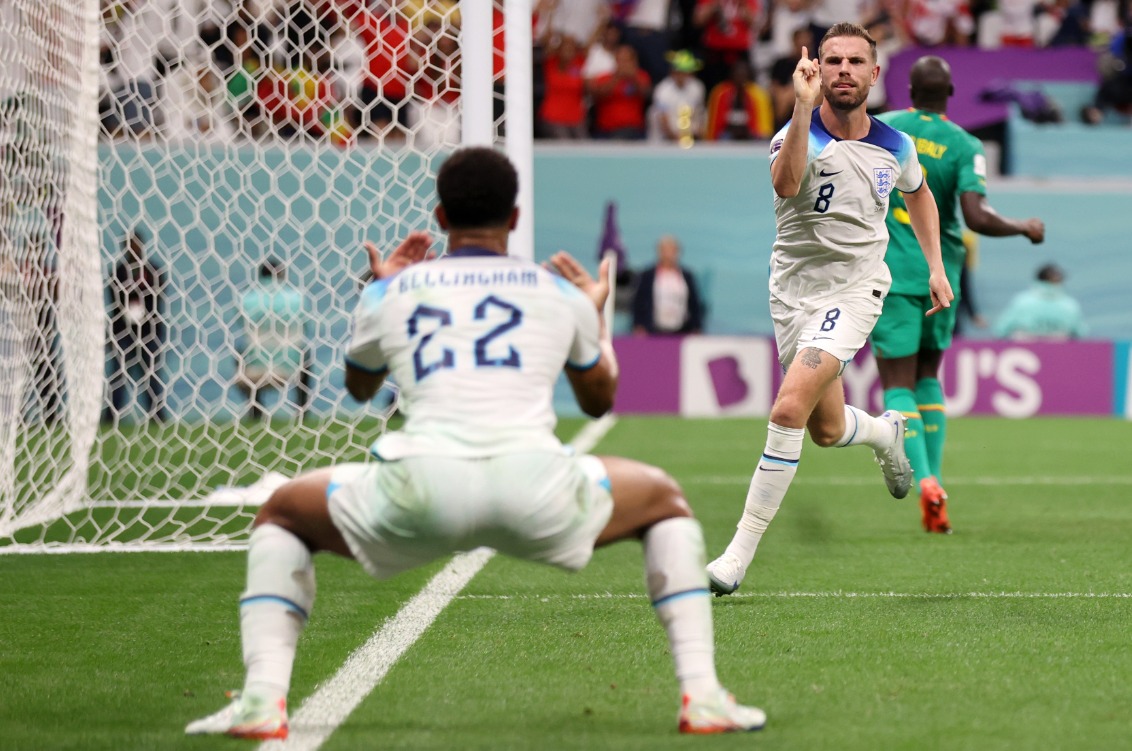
(981, 217)
(363, 384)
(789, 166)
(595, 387)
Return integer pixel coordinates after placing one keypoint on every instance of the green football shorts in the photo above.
(903, 330)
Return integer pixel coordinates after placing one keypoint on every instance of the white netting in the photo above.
(186, 190)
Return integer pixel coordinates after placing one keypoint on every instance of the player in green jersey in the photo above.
(909, 346)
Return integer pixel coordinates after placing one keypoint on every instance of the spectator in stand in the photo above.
(935, 23)
(620, 97)
(580, 19)
(739, 109)
(601, 57)
(299, 97)
(782, 77)
(385, 34)
(133, 39)
(728, 31)
(645, 28)
(436, 115)
(1115, 91)
(677, 112)
(667, 300)
(562, 114)
(137, 330)
(239, 54)
(273, 346)
(1046, 311)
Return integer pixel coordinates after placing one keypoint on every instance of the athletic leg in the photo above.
(649, 504)
(276, 602)
(930, 402)
(898, 376)
(812, 374)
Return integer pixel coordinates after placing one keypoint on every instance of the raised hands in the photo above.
(413, 249)
(807, 79)
(572, 271)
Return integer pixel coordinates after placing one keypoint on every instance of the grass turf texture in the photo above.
(854, 629)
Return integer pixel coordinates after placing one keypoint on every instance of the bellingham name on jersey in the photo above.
(475, 341)
(831, 236)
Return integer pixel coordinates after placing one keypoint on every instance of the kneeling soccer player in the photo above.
(475, 340)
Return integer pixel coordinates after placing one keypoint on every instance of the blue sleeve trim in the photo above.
(583, 367)
(372, 371)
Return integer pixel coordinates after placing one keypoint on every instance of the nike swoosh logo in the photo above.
(823, 173)
(767, 469)
(819, 338)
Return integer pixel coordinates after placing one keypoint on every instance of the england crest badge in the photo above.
(884, 180)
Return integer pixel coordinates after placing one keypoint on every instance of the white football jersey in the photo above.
(475, 341)
(831, 236)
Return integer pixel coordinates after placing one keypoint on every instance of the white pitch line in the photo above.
(329, 706)
(836, 595)
(951, 481)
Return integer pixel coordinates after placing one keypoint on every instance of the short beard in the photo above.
(843, 105)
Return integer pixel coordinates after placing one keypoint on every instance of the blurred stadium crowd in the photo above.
(351, 71)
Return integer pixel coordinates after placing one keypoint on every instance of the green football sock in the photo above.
(904, 401)
(929, 398)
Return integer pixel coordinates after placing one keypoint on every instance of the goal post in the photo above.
(166, 169)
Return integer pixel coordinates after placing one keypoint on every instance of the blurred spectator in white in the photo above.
(382, 30)
(135, 47)
(601, 57)
(645, 28)
(1114, 95)
(934, 23)
(580, 19)
(728, 29)
(786, 17)
(677, 112)
(782, 75)
(739, 109)
(1045, 311)
(435, 110)
(826, 13)
(667, 300)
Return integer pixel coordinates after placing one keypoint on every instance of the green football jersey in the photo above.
(954, 163)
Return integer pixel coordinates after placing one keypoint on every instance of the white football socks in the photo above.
(274, 608)
(769, 483)
(863, 428)
(677, 586)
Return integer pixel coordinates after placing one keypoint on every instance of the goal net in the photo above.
(185, 190)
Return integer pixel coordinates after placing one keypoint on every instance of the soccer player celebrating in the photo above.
(909, 346)
(834, 169)
(475, 341)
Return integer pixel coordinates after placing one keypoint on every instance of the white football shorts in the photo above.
(839, 326)
(542, 506)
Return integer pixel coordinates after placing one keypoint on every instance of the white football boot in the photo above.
(246, 717)
(892, 459)
(718, 714)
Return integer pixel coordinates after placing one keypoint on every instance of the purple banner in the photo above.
(974, 69)
(650, 375)
(737, 376)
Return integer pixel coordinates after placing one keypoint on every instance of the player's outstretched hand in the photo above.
(941, 292)
(413, 249)
(569, 269)
(807, 78)
(1035, 230)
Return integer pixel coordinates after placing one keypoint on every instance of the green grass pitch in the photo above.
(855, 630)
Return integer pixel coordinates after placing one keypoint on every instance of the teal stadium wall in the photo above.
(718, 201)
